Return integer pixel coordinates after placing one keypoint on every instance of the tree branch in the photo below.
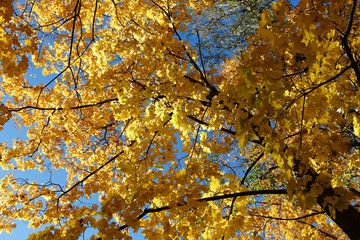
(244, 178)
(318, 229)
(209, 199)
(316, 87)
(288, 219)
(89, 175)
(61, 108)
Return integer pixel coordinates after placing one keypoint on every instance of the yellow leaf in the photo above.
(356, 126)
(214, 184)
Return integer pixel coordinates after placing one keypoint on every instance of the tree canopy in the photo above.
(151, 137)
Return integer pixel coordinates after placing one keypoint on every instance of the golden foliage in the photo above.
(128, 111)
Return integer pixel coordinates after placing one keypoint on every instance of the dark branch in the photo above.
(209, 199)
(351, 20)
(240, 194)
(61, 108)
(91, 174)
(316, 87)
(201, 122)
(345, 44)
(318, 229)
(244, 178)
(288, 219)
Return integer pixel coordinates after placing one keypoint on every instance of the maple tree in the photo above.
(264, 146)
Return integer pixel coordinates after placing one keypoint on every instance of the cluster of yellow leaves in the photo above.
(301, 57)
(122, 87)
(300, 86)
(5, 115)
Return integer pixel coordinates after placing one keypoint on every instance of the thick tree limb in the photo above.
(209, 199)
(348, 219)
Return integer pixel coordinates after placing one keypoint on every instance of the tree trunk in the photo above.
(348, 220)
